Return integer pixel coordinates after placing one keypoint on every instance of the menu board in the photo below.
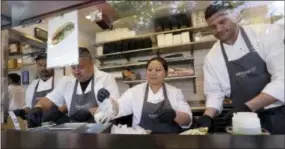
(63, 40)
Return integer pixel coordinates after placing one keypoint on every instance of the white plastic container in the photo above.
(246, 123)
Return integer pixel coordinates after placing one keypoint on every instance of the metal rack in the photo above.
(197, 28)
(155, 50)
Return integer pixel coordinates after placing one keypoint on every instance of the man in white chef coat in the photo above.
(39, 88)
(80, 92)
(246, 65)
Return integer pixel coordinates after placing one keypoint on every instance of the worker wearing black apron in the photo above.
(81, 104)
(246, 86)
(40, 94)
(149, 114)
(248, 74)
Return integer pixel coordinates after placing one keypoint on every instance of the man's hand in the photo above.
(53, 115)
(81, 116)
(34, 117)
(204, 121)
(166, 116)
(103, 94)
(20, 113)
(240, 108)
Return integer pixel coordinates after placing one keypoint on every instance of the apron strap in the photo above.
(52, 83)
(37, 85)
(164, 94)
(246, 40)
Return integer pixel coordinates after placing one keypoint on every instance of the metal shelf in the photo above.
(24, 54)
(166, 79)
(17, 69)
(137, 64)
(157, 33)
(182, 47)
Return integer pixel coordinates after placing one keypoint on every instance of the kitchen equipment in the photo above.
(66, 126)
(93, 128)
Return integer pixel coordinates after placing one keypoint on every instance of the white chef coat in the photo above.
(131, 102)
(43, 85)
(64, 92)
(267, 39)
(16, 97)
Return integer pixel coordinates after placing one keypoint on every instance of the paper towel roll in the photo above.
(185, 37)
(168, 39)
(160, 40)
(177, 39)
(99, 50)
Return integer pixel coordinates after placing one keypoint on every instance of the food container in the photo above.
(245, 123)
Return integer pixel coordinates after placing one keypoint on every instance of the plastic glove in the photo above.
(204, 121)
(105, 112)
(52, 115)
(20, 113)
(35, 117)
(240, 108)
(103, 94)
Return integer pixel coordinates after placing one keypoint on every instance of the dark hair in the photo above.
(161, 60)
(212, 9)
(41, 56)
(84, 52)
(16, 79)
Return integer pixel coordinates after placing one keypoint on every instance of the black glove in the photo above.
(20, 113)
(204, 121)
(240, 108)
(81, 116)
(35, 117)
(52, 115)
(102, 94)
(166, 116)
(62, 119)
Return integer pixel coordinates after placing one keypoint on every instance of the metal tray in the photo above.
(93, 128)
(66, 126)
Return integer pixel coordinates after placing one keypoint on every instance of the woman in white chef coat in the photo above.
(246, 65)
(16, 92)
(39, 88)
(155, 105)
(79, 92)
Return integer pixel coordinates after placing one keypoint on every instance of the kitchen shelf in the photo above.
(165, 49)
(17, 69)
(157, 33)
(137, 64)
(166, 79)
(23, 54)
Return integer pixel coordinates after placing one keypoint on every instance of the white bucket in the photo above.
(246, 123)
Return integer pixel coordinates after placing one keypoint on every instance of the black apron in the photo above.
(150, 110)
(40, 94)
(248, 76)
(84, 101)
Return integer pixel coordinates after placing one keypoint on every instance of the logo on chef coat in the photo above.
(245, 73)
